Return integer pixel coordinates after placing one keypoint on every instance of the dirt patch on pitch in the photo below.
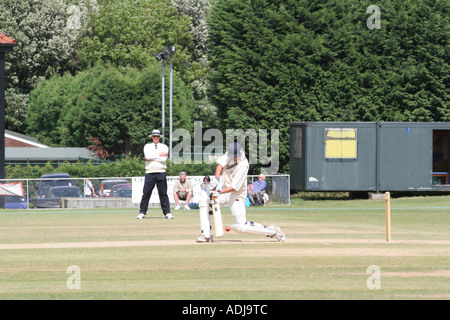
(324, 247)
(103, 244)
(412, 274)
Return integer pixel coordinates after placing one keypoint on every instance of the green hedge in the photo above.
(127, 167)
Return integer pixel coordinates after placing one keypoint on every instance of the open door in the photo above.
(441, 161)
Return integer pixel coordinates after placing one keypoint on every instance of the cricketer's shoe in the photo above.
(169, 216)
(279, 235)
(140, 216)
(177, 207)
(203, 239)
(186, 207)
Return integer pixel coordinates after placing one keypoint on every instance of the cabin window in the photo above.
(341, 143)
(441, 159)
(298, 142)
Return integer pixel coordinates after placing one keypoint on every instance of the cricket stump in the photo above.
(387, 200)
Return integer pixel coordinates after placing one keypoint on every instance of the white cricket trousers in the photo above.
(236, 202)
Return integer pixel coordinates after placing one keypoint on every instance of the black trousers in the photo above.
(160, 179)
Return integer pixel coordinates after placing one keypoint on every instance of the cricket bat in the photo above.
(218, 225)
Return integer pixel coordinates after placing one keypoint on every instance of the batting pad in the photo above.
(205, 217)
(254, 228)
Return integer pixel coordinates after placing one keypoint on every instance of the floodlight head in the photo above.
(158, 56)
(169, 50)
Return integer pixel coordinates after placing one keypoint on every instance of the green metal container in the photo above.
(370, 156)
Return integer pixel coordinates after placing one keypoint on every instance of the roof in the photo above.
(5, 39)
(6, 43)
(48, 154)
(14, 139)
(19, 147)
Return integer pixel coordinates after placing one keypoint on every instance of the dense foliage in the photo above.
(93, 79)
(57, 36)
(127, 33)
(126, 167)
(46, 44)
(278, 61)
(114, 109)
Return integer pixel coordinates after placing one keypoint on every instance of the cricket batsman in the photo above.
(231, 175)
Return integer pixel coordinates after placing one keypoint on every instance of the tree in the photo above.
(115, 109)
(274, 62)
(198, 11)
(46, 46)
(127, 33)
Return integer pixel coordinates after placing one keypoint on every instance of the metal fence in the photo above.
(278, 188)
(118, 192)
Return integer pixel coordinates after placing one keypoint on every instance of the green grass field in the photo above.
(329, 247)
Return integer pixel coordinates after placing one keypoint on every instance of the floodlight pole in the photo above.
(166, 51)
(161, 57)
(163, 107)
(170, 153)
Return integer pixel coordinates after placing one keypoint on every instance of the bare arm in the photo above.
(219, 169)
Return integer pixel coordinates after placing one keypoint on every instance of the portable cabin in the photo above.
(370, 156)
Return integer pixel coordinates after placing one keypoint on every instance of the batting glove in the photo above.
(214, 183)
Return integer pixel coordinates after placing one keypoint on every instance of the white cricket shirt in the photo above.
(154, 162)
(234, 174)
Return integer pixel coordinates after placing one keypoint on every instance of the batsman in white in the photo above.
(231, 173)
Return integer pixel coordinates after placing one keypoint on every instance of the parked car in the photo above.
(106, 186)
(124, 192)
(53, 196)
(53, 180)
(113, 192)
(15, 202)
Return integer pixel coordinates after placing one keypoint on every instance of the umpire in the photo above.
(155, 156)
